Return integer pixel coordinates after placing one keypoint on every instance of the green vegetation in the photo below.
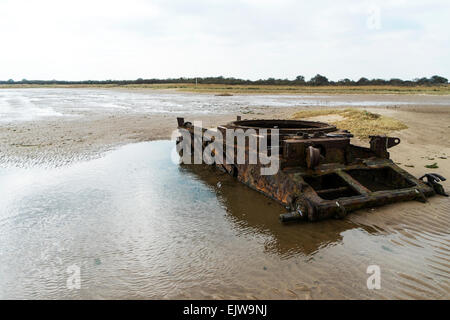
(256, 89)
(432, 166)
(220, 85)
(359, 122)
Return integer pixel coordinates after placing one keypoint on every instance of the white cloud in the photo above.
(248, 39)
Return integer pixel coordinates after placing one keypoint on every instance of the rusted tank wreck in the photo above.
(321, 174)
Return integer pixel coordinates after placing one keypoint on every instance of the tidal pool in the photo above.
(139, 226)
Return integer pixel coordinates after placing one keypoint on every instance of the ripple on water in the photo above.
(140, 226)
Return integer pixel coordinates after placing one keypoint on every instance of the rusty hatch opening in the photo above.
(285, 126)
(330, 186)
(380, 179)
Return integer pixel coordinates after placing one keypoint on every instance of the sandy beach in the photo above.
(58, 141)
(407, 228)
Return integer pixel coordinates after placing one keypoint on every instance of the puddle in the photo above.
(139, 226)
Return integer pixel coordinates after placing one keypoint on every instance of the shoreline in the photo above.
(218, 89)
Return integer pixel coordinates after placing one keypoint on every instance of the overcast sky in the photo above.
(251, 39)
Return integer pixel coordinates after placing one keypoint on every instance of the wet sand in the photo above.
(410, 241)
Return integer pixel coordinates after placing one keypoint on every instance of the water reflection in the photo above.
(250, 211)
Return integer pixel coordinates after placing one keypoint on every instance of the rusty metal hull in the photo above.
(291, 189)
(322, 175)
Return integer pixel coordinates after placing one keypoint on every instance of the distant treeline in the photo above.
(317, 80)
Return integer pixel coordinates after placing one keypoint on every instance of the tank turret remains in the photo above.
(320, 174)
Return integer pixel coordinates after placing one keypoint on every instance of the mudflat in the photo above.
(410, 241)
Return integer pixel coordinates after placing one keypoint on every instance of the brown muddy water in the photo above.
(139, 226)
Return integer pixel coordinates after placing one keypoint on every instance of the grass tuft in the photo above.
(361, 123)
(432, 166)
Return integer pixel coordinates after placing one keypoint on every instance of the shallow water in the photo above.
(139, 226)
(35, 104)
